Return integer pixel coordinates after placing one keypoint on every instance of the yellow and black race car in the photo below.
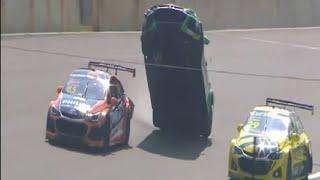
(272, 144)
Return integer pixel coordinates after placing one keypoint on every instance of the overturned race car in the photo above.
(91, 108)
(173, 48)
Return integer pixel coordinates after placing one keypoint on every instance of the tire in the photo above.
(289, 169)
(309, 165)
(47, 126)
(51, 141)
(207, 129)
(107, 136)
(126, 142)
(128, 124)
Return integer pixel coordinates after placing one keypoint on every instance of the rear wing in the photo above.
(108, 66)
(290, 103)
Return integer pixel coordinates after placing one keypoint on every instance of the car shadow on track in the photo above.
(76, 147)
(175, 145)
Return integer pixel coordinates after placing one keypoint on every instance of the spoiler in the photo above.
(290, 103)
(108, 66)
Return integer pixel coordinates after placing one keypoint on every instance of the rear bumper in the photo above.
(91, 134)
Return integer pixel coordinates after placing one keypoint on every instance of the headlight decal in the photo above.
(54, 111)
(93, 117)
(237, 150)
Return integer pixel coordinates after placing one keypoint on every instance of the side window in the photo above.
(115, 88)
(293, 128)
(299, 125)
(121, 91)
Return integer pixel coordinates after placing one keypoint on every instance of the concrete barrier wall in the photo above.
(39, 15)
(215, 14)
(64, 15)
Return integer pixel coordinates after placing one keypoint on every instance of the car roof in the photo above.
(273, 109)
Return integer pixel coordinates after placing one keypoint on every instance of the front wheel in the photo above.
(289, 169)
(107, 134)
(126, 142)
(207, 129)
(309, 164)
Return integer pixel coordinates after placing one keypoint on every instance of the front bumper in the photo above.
(243, 167)
(89, 133)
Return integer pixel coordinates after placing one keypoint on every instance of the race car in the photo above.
(180, 91)
(91, 108)
(272, 144)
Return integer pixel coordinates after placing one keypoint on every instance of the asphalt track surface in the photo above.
(246, 68)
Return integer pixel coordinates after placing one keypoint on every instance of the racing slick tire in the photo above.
(49, 140)
(107, 135)
(207, 129)
(289, 169)
(308, 166)
(126, 141)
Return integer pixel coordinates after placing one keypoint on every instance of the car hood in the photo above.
(76, 107)
(262, 147)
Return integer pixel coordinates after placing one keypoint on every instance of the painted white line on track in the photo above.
(281, 43)
(314, 176)
(316, 48)
(265, 29)
(68, 33)
(135, 32)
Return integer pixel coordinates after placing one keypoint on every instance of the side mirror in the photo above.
(295, 137)
(206, 40)
(114, 101)
(59, 89)
(239, 128)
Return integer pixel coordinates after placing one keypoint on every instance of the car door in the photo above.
(298, 152)
(304, 143)
(117, 112)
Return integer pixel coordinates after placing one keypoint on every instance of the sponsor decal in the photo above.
(254, 123)
(78, 105)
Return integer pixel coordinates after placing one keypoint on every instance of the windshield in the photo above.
(273, 125)
(85, 87)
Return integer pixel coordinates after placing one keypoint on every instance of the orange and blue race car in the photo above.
(272, 144)
(91, 108)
